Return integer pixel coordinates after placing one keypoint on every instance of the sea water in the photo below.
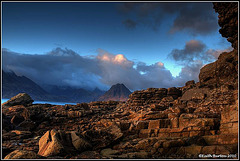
(44, 102)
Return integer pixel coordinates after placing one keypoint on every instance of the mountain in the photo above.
(13, 84)
(118, 92)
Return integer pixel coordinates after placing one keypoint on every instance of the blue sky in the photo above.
(38, 28)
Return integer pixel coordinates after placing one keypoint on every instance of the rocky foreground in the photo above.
(199, 120)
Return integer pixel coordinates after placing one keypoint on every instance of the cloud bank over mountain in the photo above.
(65, 67)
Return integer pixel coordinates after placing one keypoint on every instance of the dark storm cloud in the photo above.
(192, 49)
(126, 7)
(196, 50)
(196, 18)
(59, 67)
(130, 23)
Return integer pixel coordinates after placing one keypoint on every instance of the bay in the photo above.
(44, 102)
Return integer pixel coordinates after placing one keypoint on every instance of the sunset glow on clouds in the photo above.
(68, 68)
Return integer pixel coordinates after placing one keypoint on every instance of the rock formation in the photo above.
(228, 21)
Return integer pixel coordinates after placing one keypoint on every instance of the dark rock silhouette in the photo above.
(228, 21)
(20, 99)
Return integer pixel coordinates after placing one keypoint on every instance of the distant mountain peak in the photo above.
(62, 52)
(118, 92)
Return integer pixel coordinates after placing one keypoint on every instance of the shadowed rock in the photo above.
(20, 99)
(22, 154)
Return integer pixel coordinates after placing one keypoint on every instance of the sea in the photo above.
(45, 102)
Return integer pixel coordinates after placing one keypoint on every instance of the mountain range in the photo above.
(13, 84)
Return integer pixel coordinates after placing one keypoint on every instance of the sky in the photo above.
(99, 44)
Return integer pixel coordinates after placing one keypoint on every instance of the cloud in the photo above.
(130, 23)
(196, 50)
(65, 67)
(189, 72)
(58, 67)
(215, 53)
(198, 18)
(192, 49)
(195, 18)
(192, 58)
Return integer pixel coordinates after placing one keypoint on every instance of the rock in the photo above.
(27, 125)
(109, 152)
(195, 94)
(173, 91)
(193, 150)
(22, 154)
(192, 82)
(124, 126)
(79, 143)
(160, 123)
(173, 143)
(20, 99)
(224, 71)
(6, 122)
(23, 133)
(144, 133)
(222, 150)
(141, 155)
(115, 131)
(16, 119)
(142, 125)
(88, 155)
(209, 150)
(49, 144)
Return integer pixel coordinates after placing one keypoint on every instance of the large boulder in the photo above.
(20, 99)
(50, 144)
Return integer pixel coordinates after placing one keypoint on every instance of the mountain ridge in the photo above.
(13, 84)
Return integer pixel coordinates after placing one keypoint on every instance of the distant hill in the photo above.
(13, 84)
(118, 92)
